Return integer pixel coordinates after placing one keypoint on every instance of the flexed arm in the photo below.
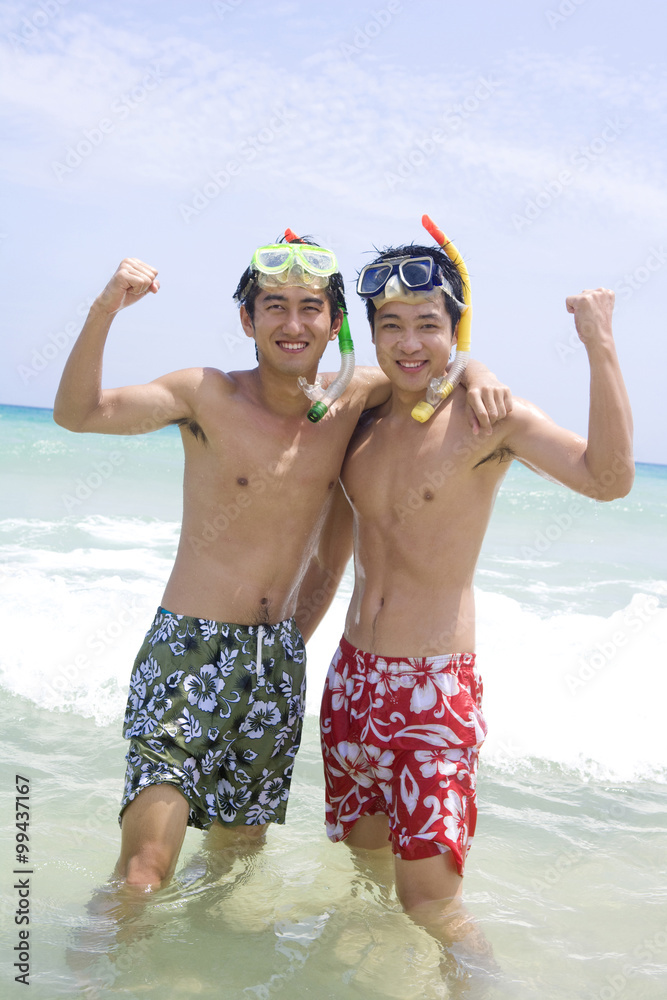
(610, 417)
(81, 404)
(602, 466)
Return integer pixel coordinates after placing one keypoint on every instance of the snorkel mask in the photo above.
(295, 263)
(322, 398)
(408, 279)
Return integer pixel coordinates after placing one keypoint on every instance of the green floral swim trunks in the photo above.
(217, 710)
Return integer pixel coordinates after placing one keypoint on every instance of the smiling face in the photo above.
(413, 341)
(291, 327)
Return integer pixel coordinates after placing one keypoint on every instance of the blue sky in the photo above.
(189, 133)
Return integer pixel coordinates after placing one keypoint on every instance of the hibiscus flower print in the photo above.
(429, 689)
(341, 686)
(379, 761)
(229, 799)
(159, 703)
(438, 761)
(454, 810)
(262, 716)
(202, 688)
(191, 773)
(352, 761)
(273, 793)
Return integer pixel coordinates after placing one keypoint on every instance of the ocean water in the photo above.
(567, 876)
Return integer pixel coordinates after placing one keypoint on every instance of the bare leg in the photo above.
(153, 828)
(223, 845)
(429, 890)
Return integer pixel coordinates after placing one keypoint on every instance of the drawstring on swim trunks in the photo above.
(260, 667)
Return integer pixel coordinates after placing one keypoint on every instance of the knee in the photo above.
(150, 868)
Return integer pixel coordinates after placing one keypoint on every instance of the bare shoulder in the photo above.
(201, 382)
(527, 419)
(370, 386)
(207, 391)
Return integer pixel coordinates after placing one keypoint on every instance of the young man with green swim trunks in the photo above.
(401, 719)
(216, 697)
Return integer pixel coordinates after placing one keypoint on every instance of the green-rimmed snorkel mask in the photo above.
(315, 262)
(296, 263)
(293, 264)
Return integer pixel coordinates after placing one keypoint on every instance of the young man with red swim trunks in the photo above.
(401, 717)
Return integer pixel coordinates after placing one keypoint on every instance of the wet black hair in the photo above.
(249, 288)
(447, 266)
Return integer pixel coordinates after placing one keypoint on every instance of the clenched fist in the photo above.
(131, 282)
(592, 311)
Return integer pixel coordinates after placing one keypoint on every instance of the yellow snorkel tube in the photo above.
(440, 388)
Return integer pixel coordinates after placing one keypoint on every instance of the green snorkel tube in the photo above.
(323, 398)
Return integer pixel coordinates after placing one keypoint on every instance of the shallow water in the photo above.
(563, 878)
(566, 876)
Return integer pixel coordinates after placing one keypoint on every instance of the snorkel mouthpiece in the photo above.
(323, 398)
(441, 388)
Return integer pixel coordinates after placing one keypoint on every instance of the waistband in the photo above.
(407, 664)
(250, 630)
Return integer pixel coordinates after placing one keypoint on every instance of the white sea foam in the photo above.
(580, 690)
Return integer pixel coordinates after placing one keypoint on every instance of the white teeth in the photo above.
(410, 364)
(289, 346)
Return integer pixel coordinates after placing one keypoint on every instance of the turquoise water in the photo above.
(567, 872)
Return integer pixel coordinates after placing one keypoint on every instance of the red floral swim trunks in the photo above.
(401, 736)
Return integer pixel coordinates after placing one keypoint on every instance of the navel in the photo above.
(242, 481)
